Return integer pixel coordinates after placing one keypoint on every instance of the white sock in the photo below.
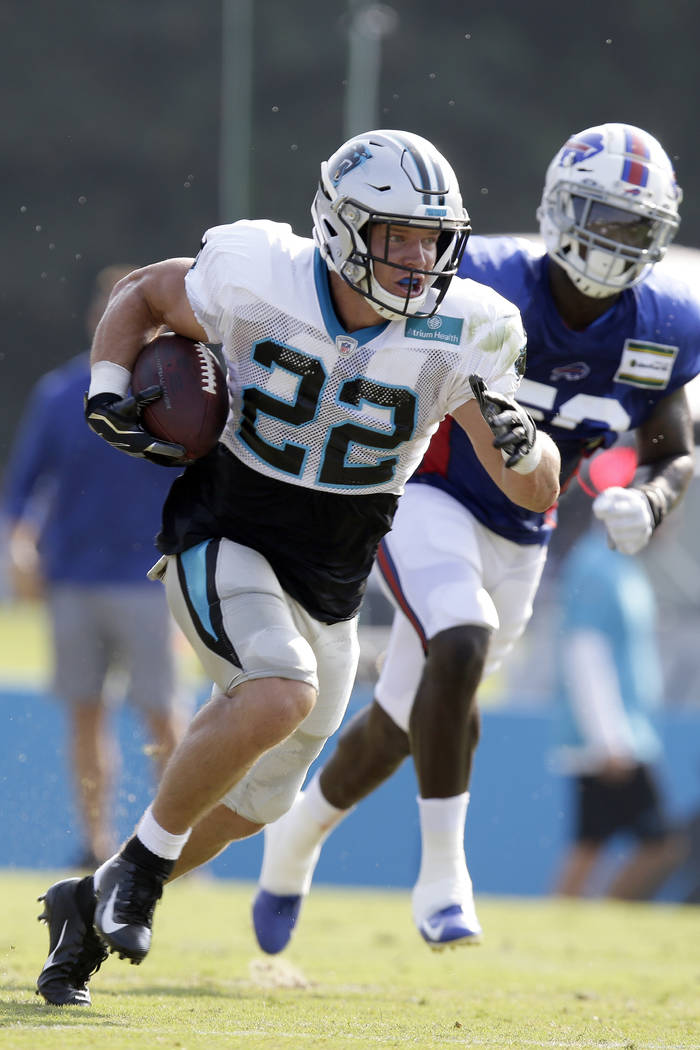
(319, 808)
(443, 878)
(159, 841)
(293, 843)
(155, 838)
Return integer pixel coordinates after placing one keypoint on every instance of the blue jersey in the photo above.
(98, 511)
(583, 388)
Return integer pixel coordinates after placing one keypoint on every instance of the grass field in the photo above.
(549, 974)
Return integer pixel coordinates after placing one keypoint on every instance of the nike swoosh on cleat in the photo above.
(49, 959)
(434, 929)
(107, 924)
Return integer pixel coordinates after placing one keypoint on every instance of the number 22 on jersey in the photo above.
(335, 467)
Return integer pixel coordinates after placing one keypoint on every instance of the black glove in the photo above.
(117, 420)
(513, 428)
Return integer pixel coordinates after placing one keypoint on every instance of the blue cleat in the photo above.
(449, 927)
(274, 918)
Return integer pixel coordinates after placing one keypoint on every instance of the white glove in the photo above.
(627, 517)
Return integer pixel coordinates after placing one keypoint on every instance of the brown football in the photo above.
(193, 408)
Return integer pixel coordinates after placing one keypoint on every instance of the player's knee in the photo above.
(383, 737)
(288, 703)
(457, 656)
(278, 701)
(298, 702)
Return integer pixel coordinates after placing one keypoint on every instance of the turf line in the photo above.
(456, 1040)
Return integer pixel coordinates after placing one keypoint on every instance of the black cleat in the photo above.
(75, 952)
(126, 898)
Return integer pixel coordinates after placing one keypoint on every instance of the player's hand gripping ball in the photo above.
(192, 408)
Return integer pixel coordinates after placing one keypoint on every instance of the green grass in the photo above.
(549, 974)
(24, 643)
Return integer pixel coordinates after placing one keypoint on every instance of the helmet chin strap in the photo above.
(587, 284)
(362, 280)
(576, 306)
(619, 273)
(385, 304)
(592, 290)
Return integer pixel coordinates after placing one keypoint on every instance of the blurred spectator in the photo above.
(82, 520)
(609, 683)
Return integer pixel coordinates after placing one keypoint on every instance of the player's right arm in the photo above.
(141, 305)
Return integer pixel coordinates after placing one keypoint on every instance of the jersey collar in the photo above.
(330, 318)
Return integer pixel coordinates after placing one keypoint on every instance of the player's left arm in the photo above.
(521, 460)
(665, 448)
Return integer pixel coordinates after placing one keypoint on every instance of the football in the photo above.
(193, 408)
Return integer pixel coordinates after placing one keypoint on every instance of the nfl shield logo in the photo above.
(345, 344)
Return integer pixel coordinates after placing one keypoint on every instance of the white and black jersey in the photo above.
(325, 426)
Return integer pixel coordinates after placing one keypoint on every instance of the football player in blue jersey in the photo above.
(344, 353)
(612, 340)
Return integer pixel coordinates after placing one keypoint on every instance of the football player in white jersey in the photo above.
(344, 353)
(612, 340)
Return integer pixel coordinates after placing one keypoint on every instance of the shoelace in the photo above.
(81, 959)
(89, 959)
(137, 899)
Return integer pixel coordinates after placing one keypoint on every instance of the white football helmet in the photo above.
(389, 177)
(609, 207)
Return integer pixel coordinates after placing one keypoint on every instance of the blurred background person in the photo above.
(81, 523)
(610, 686)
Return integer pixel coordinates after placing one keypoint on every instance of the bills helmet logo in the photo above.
(572, 372)
(356, 154)
(580, 148)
